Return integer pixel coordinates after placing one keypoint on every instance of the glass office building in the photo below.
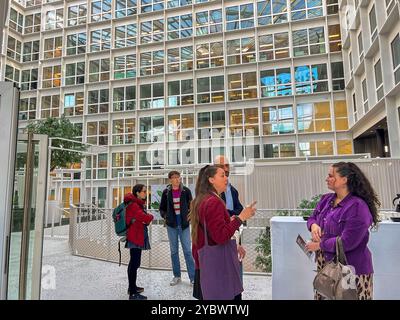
(170, 83)
(371, 53)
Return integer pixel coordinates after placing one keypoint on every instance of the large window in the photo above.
(99, 70)
(125, 66)
(211, 125)
(152, 63)
(344, 146)
(311, 79)
(16, 20)
(273, 46)
(14, 49)
(308, 41)
(180, 59)
(360, 45)
(302, 9)
(337, 76)
(365, 95)
(389, 6)
(29, 79)
(51, 77)
(151, 5)
(152, 159)
(208, 22)
(240, 17)
(100, 10)
(181, 127)
(241, 51)
(98, 101)
(242, 86)
(27, 109)
(12, 74)
(30, 51)
(124, 98)
(180, 93)
(178, 3)
(373, 28)
(50, 106)
(335, 38)
(97, 170)
(316, 148)
(278, 120)
(76, 43)
(75, 73)
(395, 45)
(180, 26)
(124, 8)
(314, 117)
(32, 23)
(180, 156)
(100, 40)
(341, 121)
(332, 6)
(243, 122)
(97, 132)
(125, 36)
(52, 47)
(210, 89)
(73, 104)
(152, 31)
(209, 55)
(121, 162)
(152, 95)
(282, 150)
(378, 80)
(123, 131)
(151, 129)
(54, 19)
(271, 11)
(276, 82)
(77, 14)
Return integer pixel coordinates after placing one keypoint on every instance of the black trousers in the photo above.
(197, 288)
(134, 264)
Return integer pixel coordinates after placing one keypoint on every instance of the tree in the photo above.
(60, 128)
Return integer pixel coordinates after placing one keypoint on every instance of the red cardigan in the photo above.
(220, 228)
(135, 210)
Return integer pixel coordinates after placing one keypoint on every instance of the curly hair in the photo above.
(359, 185)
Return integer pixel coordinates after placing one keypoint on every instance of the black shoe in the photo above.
(138, 290)
(137, 296)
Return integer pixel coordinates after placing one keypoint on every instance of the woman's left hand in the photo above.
(241, 252)
(313, 246)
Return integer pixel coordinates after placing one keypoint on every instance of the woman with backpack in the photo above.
(137, 220)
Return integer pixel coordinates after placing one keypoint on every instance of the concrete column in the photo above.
(380, 142)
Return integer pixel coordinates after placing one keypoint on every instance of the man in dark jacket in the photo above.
(174, 208)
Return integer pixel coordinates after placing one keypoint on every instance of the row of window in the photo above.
(124, 162)
(242, 50)
(286, 81)
(236, 17)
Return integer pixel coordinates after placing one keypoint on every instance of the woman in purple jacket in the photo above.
(349, 212)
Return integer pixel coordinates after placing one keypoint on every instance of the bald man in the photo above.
(231, 196)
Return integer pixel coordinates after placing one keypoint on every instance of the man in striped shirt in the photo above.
(174, 208)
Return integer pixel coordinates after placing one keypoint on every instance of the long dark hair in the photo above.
(359, 185)
(202, 189)
(137, 188)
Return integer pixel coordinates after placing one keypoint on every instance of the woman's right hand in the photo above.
(316, 232)
(248, 212)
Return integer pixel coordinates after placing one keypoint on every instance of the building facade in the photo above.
(371, 53)
(173, 83)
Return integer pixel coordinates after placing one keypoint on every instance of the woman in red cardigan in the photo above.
(137, 220)
(208, 207)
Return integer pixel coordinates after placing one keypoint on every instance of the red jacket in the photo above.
(220, 227)
(135, 210)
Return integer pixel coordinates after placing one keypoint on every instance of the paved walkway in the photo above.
(87, 279)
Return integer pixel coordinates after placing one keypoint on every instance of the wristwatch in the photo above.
(238, 219)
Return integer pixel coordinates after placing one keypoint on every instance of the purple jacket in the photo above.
(350, 220)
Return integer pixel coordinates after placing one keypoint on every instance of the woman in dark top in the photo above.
(137, 220)
(208, 207)
(349, 212)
